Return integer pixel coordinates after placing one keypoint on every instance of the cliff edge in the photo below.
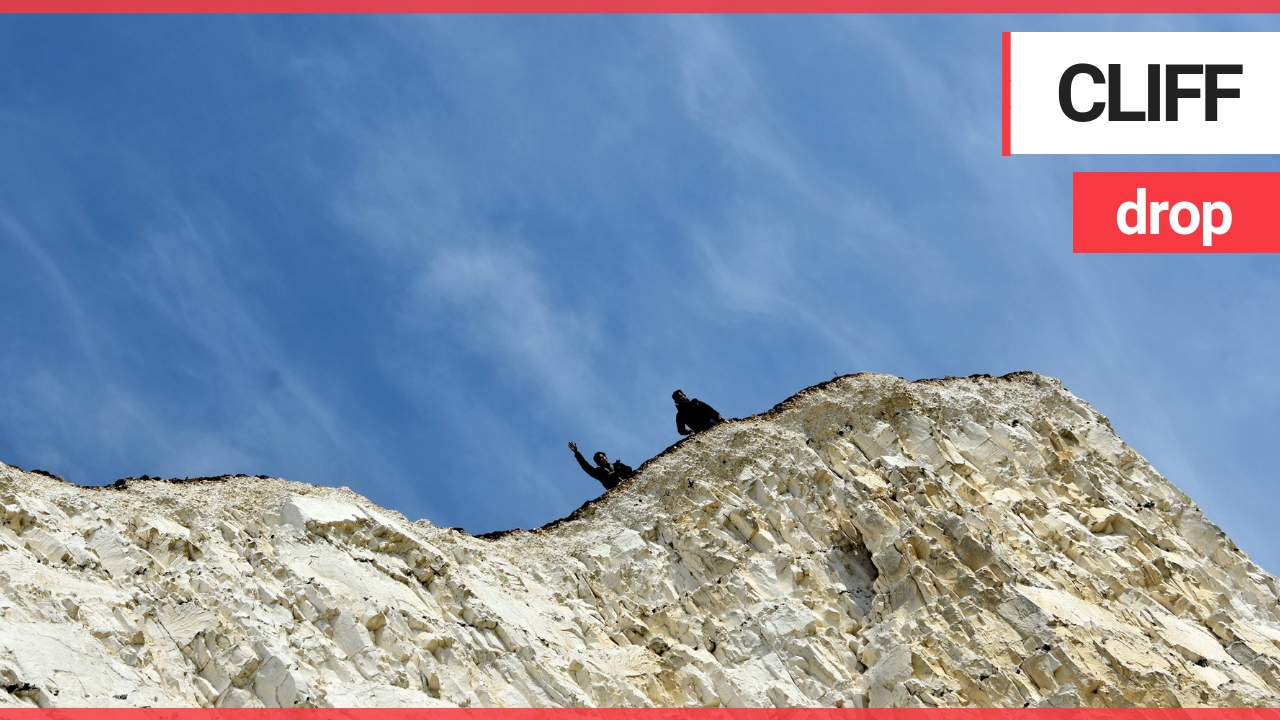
(869, 542)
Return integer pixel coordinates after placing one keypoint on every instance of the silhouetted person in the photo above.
(694, 416)
(609, 474)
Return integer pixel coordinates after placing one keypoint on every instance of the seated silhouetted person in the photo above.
(609, 474)
(694, 416)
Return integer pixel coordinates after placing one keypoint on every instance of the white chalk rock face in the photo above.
(869, 542)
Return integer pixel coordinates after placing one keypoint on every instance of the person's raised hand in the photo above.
(573, 446)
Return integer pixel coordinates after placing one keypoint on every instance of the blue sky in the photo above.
(416, 255)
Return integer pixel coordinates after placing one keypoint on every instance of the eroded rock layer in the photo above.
(980, 541)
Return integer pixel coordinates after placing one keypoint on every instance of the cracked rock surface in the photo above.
(869, 542)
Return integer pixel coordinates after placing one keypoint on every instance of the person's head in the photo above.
(601, 459)
(679, 397)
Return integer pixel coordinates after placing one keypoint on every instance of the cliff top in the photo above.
(869, 541)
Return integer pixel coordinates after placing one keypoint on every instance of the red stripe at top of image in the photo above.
(639, 6)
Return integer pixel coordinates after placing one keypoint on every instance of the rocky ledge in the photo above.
(869, 542)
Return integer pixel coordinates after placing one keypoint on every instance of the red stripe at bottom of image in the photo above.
(641, 714)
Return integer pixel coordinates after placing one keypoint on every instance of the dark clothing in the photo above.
(609, 476)
(696, 416)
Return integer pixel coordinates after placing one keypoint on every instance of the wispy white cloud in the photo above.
(178, 271)
(770, 251)
(494, 301)
(230, 398)
(535, 228)
(453, 276)
(52, 276)
(720, 92)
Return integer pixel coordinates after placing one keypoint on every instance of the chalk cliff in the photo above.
(870, 541)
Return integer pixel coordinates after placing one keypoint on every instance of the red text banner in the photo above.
(1173, 212)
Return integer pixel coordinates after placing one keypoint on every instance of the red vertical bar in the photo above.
(1007, 50)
